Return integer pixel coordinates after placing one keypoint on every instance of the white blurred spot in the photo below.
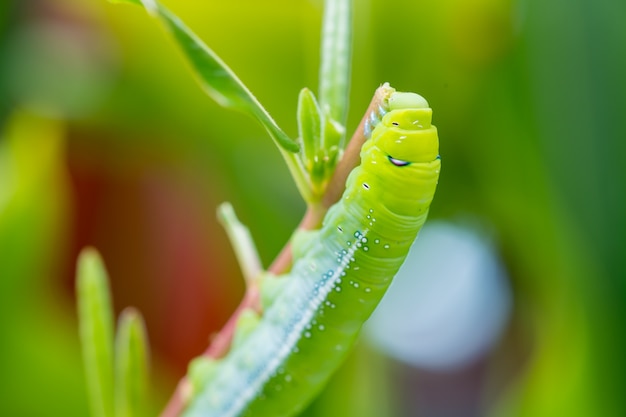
(449, 302)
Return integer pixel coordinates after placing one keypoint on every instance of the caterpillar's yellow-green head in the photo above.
(400, 160)
(408, 135)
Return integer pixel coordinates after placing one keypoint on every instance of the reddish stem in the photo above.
(312, 220)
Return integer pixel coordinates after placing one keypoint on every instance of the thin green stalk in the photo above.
(336, 56)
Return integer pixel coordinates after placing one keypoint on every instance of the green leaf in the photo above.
(242, 242)
(215, 76)
(131, 364)
(96, 331)
(309, 126)
(224, 87)
(335, 60)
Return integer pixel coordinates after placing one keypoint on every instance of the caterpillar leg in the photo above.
(302, 241)
(247, 321)
(241, 241)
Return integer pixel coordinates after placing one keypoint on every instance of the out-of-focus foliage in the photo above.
(39, 347)
(115, 366)
(108, 140)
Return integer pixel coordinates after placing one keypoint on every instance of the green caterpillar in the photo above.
(312, 315)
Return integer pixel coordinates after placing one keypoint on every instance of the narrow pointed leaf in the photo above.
(242, 242)
(309, 125)
(96, 331)
(215, 76)
(334, 133)
(131, 364)
(335, 59)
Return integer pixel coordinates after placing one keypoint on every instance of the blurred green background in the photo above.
(107, 140)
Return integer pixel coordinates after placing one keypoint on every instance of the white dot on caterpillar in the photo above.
(321, 327)
(307, 334)
(368, 289)
(386, 246)
(364, 239)
(371, 210)
(366, 248)
(288, 378)
(356, 285)
(377, 241)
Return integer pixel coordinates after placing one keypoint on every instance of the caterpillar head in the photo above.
(406, 135)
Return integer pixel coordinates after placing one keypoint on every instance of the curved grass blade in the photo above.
(242, 242)
(131, 364)
(216, 77)
(335, 61)
(96, 331)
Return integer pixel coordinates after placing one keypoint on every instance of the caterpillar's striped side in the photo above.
(339, 275)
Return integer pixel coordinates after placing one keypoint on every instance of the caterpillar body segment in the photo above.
(340, 272)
